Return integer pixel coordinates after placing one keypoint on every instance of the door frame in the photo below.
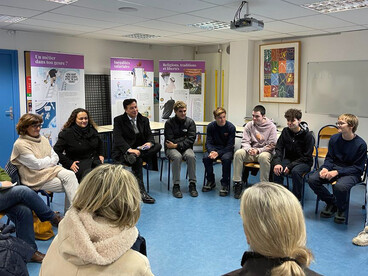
(15, 84)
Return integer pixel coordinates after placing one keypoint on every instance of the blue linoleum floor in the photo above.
(204, 235)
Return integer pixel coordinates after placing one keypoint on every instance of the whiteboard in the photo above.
(337, 87)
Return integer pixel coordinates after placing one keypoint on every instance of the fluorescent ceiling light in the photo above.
(336, 5)
(11, 19)
(66, 2)
(211, 25)
(141, 36)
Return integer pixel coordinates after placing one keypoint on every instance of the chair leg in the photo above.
(162, 167)
(168, 174)
(317, 202)
(147, 179)
(204, 177)
(303, 191)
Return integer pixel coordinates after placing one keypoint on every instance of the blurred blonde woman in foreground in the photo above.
(97, 233)
(274, 226)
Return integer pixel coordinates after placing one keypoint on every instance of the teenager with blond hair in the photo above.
(274, 226)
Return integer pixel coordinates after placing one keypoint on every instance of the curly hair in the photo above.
(27, 120)
(179, 104)
(292, 114)
(73, 118)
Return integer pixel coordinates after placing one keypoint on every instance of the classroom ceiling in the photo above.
(168, 19)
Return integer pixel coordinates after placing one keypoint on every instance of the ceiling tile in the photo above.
(319, 22)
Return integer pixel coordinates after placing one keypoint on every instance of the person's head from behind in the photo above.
(111, 192)
(258, 114)
(274, 225)
(180, 109)
(347, 122)
(80, 117)
(293, 117)
(29, 124)
(130, 107)
(220, 116)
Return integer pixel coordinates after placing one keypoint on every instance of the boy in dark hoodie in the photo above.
(294, 151)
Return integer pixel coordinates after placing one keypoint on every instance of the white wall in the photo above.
(346, 46)
(241, 74)
(96, 53)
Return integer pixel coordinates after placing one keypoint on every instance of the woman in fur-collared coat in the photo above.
(97, 233)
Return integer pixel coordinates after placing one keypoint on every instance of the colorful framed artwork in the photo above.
(279, 65)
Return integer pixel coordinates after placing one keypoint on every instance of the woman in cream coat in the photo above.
(97, 233)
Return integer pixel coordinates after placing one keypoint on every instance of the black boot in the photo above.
(238, 188)
(146, 198)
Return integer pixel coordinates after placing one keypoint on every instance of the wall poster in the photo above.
(132, 78)
(55, 87)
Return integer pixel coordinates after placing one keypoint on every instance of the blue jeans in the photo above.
(18, 203)
(296, 175)
(226, 160)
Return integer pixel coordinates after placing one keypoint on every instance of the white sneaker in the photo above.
(362, 238)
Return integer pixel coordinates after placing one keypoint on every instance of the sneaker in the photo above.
(329, 211)
(192, 189)
(340, 217)
(209, 186)
(238, 188)
(176, 191)
(224, 191)
(362, 238)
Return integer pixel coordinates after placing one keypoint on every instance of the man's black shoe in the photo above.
(146, 198)
(176, 191)
(329, 211)
(340, 217)
(238, 188)
(224, 191)
(192, 190)
(209, 186)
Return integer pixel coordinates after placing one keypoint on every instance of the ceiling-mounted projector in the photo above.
(246, 24)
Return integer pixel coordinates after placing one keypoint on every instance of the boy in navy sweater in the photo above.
(343, 167)
(219, 145)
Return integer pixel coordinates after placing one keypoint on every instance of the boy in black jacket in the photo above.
(180, 135)
(294, 151)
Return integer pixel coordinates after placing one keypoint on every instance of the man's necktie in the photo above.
(136, 131)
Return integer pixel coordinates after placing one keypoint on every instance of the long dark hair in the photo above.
(73, 117)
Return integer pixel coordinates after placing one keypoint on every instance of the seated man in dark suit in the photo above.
(133, 143)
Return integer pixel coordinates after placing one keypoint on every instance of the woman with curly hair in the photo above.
(79, 147)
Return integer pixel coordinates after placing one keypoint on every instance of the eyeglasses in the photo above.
(36, 126)
(340, 123)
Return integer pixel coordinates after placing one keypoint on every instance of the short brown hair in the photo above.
(218, 111)
(292, 114)
(27, 120)
(351, 120)
(179, 104)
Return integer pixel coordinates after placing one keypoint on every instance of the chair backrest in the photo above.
(326, 132)
(12, 171)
